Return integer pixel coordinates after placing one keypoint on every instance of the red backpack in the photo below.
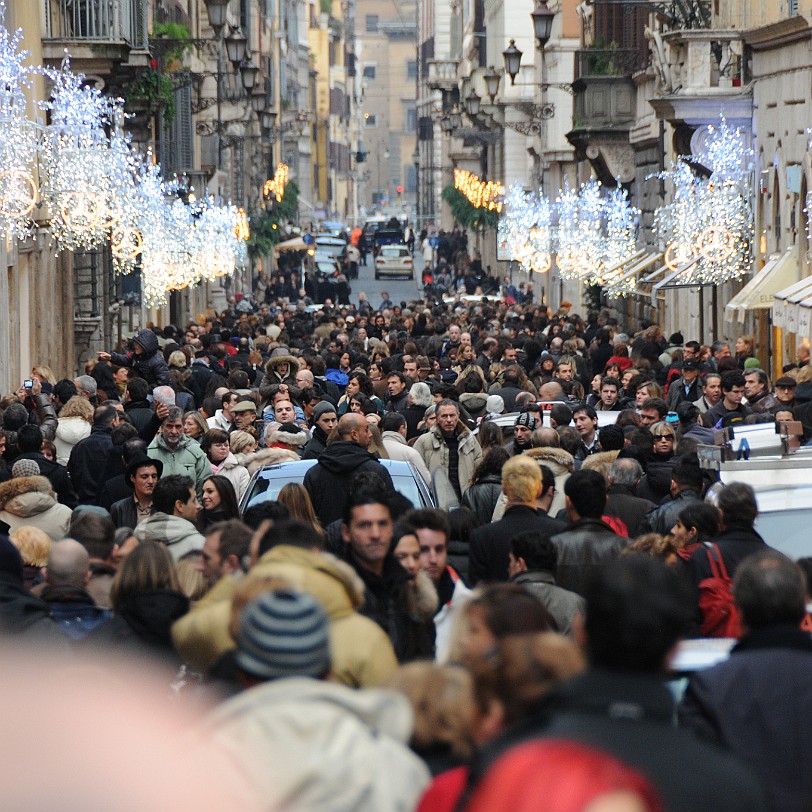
(720, 615)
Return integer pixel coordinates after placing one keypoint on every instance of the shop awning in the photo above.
(670, 278)
(785, 304)
(296, 244)
(623, 279)
(758, 294)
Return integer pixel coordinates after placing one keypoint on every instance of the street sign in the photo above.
(434, 242)
(308, 239)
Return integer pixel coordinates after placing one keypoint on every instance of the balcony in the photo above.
(604, 110)
(443, 74)
(98, 34)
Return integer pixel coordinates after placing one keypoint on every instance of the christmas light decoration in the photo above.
(276, 186)
(481, 194)
(620, 243)
(18, 136)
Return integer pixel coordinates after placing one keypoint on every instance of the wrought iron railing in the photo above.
(102, 21)
(592, 62)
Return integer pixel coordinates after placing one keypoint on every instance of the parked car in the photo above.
(506, 421)
(269, 480)
(334, 246)
(394, 260)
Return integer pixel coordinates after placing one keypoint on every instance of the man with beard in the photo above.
(523, 429)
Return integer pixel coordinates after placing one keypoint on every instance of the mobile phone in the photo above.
(28, 383)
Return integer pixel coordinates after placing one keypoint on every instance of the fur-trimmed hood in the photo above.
(265, 456)
(600, 462)
(281, 355)
(299, 439)
(558, 460)
(423, 598)
(474, 403)
(25, 485)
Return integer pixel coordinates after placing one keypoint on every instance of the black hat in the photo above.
(690, 363)
(787, 380)
(141, 461)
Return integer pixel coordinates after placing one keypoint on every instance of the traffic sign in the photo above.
(434, 242)
(308, 239)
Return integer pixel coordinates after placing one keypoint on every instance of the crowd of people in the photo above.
(505, 644)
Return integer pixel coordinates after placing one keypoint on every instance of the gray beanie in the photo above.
(495, 404)
(24, 468)
(284, 633)
(322, 407)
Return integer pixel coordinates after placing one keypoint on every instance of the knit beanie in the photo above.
(24, 468)
(322, 407)
(527, 419)
(495, 404)
(284, 633)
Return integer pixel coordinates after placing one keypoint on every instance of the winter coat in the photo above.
(29, 501)
(431, 446)
(69, 431)
(150, 365)
(622, 502)
(279, 356)
(74, 610)
(663, 517)
(93, 462)
(447, 618)
(562, 604)
(328, 481)
(474, 404)
(315, 445)
(186, 459)
(362, 654)
(656, 482)
(583, 548)
(141, 626)
(179, 535)
(265, 456)
(768, 725)
(124, 513)
(413, 414)
(235, 473)
(676, 392)
(302, 744)
(24, 618)
(482, 496)
(398, 449)
(56, 474)
(489, 549)
(139, 412)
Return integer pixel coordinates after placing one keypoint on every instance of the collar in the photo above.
(786, 636)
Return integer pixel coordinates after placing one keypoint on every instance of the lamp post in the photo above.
(513, 61)
(492, 78)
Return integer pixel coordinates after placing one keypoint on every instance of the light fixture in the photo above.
(542, 23)
(249, 73)
(258, 99)
(269, 119)
(492, 78)
(218, 12)
(445, 124)
(456, 119)
(473, 103)
(513, 61)
(236, 44)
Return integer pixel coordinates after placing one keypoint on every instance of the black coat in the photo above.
(124, 513)
(150, 365)
(490, 544)
(768, 725)
(24, 617)
(57, 475)
(117, 488)
(315, 445)
(630, 509)
(94, 461)
(413, 415)
(630, 717)
(139, 412)
(482, 496)
(328, 482)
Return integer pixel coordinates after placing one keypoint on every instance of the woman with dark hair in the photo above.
(219, 502)
(486, 484)
(697, 523)
(215, 444)
(147, 599)
(359, 383)
(490, 435)
(183, 397)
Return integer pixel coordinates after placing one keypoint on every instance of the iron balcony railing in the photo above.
(591, 62)
(101, 21)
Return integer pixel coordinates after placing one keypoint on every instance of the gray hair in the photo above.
(625, 471)
(87, 384)
(68, 563)
(165, 395)
(420, 394)
(174, 413)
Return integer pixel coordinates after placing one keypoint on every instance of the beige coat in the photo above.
(362, 654)
(398, 449)
(29, 501)
(434, 451)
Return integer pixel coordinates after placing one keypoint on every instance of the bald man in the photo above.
(67, 575)
(329, 481)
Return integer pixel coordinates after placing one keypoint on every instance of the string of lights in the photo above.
(482, 194)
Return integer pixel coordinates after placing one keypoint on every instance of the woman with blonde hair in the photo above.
(43, 374)
(34, 546)
(241, 442)
(300, 507)
(74, 424)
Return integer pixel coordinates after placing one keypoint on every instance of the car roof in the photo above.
(301, 466)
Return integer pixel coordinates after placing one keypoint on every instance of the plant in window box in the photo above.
(151, 90)
(171, 41)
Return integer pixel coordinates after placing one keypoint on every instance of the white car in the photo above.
(394, 260)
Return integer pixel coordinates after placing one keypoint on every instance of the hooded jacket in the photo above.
(302, 744)
(69, 431)
(431, 446)
(279, 356)
(150, 365)
(474, 404)
(235, 473)
(179, 535)
(29, 501)
(56, 474)
(328, 482)
(362, 654)
(93, 462)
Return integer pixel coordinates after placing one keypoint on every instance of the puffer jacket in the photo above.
(431, 446)
(29, 501)
(178, 534)
(235, 473)
(150, 365)
(304, 744)
(69, 431)
(361, 651)
(482, 496)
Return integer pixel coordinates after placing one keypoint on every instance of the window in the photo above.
(369, 71)
(371, 119)
(372, 23)
(411, 120)
(411, 69)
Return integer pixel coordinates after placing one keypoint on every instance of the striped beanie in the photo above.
(283, 633)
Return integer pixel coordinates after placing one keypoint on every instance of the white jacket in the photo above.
(398, 449)
(301, 744)
(69, 431)
(236, 474)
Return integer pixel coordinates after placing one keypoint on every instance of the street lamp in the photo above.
(258, 100)
(445, 124)
(492, 79)
(542, 17)
(269, 119)
(473, 103)
(218, 10)
(456, 119)
(513, 61)
(249, 72)
(235, 47)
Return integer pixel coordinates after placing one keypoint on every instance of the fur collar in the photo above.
(552, 454)
(423, 599)
(265, 456)
(23, 484)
